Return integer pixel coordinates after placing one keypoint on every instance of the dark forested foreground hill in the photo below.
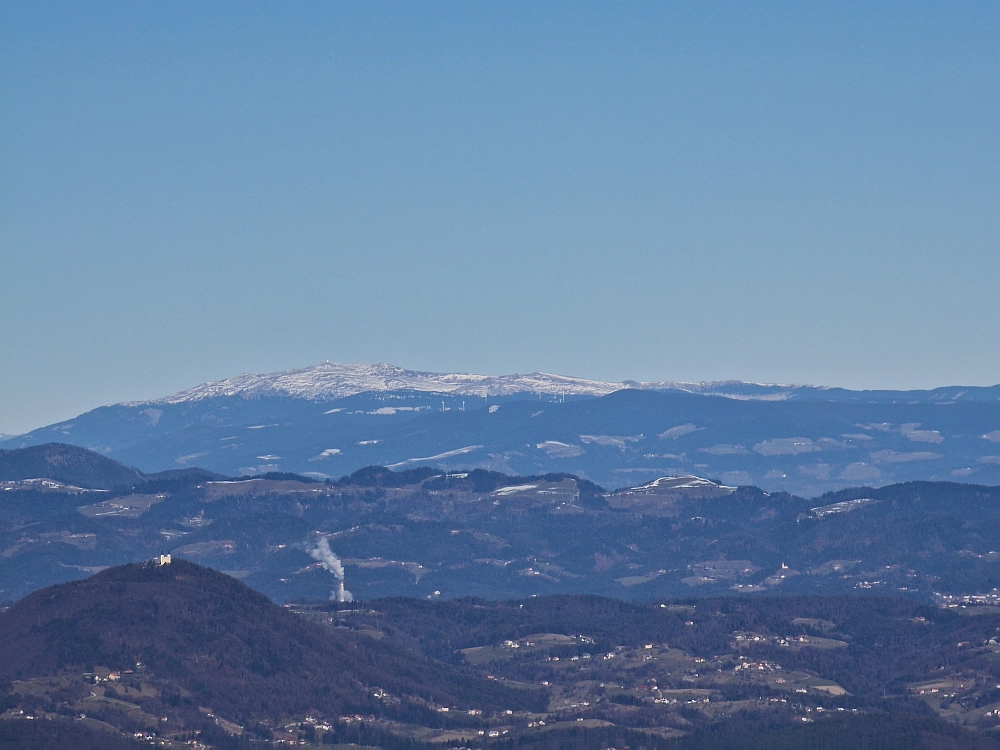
(166, 649)
(421, 532)
(171, 654)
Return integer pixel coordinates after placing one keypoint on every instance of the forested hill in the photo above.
(176, 653)
(68, 464)
(79, 467)
(205, 639)
(421, 532)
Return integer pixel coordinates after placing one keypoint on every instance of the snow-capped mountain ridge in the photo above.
(330, 380)
(332, 419)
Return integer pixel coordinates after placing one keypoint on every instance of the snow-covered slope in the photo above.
(330, 380)
(684, 482)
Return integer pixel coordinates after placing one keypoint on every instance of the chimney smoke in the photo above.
(325, 557)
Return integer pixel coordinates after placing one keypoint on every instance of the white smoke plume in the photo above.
(325, 557)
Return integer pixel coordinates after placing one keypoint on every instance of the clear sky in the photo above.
(791, 192)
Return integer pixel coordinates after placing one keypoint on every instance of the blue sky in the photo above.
(791, 192)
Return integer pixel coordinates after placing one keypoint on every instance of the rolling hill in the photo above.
(175, 654)
(83, 469)
(427, 533)
(183, 642)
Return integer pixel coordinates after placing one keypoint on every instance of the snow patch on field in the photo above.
(686, 482)
(920, 436)
(556, 449)
(438, 457)
(328, 453)
(679, 431)
(514, 489)
(618, 441)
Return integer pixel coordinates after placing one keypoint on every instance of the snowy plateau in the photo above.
(330, 380)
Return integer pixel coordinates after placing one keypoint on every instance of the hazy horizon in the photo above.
(466, 372)
(768, 192)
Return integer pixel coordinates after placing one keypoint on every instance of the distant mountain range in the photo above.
(331, 419)
(329, 381)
